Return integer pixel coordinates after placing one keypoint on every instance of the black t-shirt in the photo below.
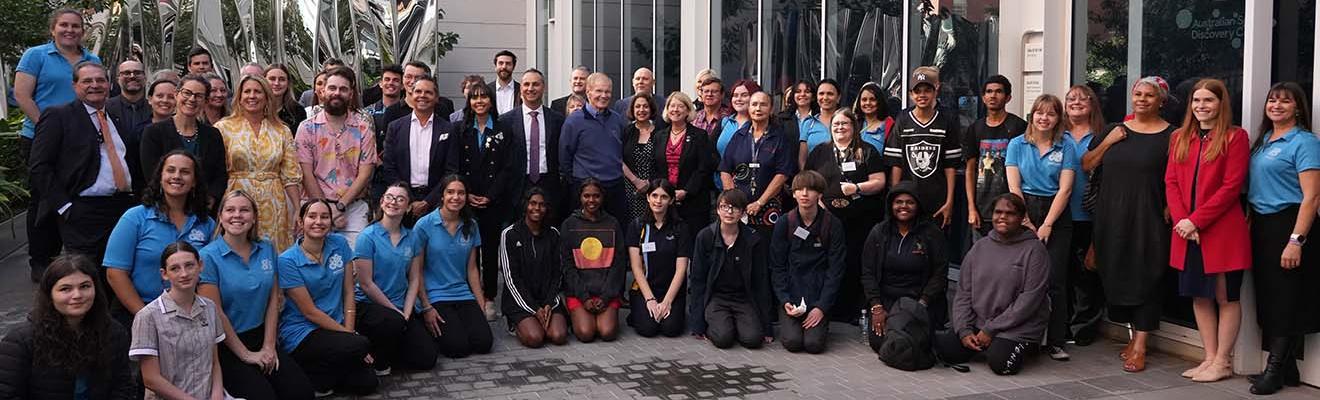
(729, 283)
(924, 151)
(846, 166)
(660, 248)
(988, 145)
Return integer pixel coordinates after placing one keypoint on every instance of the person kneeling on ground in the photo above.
(530, 265)
(1001, 307)
(904, 256)
(807, 263)
(730, 293)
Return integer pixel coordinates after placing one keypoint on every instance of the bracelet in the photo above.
(1296, 242)
(428, 308)
(349, 311)
(858, 186)
(650, 299)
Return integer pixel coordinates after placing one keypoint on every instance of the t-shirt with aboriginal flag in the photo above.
(593, 257)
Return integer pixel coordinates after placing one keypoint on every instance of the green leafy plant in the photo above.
(25, 23)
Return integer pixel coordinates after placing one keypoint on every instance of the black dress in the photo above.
(859, 213)
(1131, 235)
(638, 158)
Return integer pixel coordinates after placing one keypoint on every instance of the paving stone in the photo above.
(1075, 390)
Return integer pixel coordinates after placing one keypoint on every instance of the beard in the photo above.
(336, 107)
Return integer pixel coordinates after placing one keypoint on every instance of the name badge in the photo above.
(801, 233)
(754, 165)
(443, 136)
(850, 166)
(648, 247)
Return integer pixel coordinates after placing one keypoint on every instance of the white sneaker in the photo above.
(1056, 353)
(490, 311)
(326, 393)
(383, 372)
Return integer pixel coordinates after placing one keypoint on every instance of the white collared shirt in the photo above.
(105, 177)
(504, 96)
(527, 133)
(419, 148)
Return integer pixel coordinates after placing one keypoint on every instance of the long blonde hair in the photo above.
(1191, 127)
(272, 111)
(1055, 133)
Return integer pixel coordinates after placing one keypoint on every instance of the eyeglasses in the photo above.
(394, 199)
(1077, 98)
(728, 209)
(188, 94)
(129, 72)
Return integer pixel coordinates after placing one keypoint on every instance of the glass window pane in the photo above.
(1104, 58)
(667, 70)
(1294, 44)
(796, 44)
(609, 41)
(960, 38)
(1187, 40)
(639, 45)
(736, 51)
(864, 43)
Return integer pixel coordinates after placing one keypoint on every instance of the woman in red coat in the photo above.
(1207, 170)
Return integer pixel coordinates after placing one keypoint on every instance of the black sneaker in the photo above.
(1056, 353)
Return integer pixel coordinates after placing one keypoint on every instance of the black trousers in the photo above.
(1005, 357)
(1059, 246)
(796, 339)
(246, 381)
(671, 326)
(394, 341)
(335, 361)
(43, 233)
(85, 227)
(465, 331)
(1088, 298)
(729, 322)
(490, 222)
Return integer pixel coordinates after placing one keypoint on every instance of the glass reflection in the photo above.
(958, 37)
(864, 44)
(737, 28)
(796, 55)
(416, 30)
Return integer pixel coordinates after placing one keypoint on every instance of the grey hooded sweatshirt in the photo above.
(1003, 288)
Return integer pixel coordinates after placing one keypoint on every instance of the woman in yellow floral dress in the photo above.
(262, 160)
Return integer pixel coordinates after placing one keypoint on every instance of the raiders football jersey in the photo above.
(923, 151)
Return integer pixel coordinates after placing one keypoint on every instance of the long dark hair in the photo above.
(57, 344)
(671, 215)
(194, 203)
(527, 198)
(302, 212)
(790, 103)
(465, 214)
(1298, 95)
(474, 91)
(881, 107)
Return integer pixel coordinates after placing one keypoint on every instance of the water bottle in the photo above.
(865, 322)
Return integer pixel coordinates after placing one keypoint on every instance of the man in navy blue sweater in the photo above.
(591, 146)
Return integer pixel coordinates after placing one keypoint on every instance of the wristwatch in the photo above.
(1297, 238)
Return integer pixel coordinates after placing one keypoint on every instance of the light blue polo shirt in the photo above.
(445, 271)
(389, 263)
(814, 132)
(1274, 185)
(1080, 179)
(1040, 172)
(54, 78)
(138, 239)
(876, 137)
(244, 287)
(728, 126)
(325, 284)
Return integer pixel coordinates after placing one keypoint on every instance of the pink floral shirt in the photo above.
(335, 156)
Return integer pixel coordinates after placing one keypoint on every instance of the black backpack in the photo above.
(906, 343)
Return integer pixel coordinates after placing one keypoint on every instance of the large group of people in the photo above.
(233, 239)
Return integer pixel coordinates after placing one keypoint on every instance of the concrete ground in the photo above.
(686, 368)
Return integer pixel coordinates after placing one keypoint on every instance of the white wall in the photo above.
(1022, 16)
(485, 27)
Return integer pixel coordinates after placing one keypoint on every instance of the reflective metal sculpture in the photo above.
(365, 34)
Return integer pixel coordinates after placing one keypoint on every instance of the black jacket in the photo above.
(396, 156)
(162, 137)
(517, 94)
(695, 166)
(66, 155)
(530, 267)
(488, 169)
(926, 235)
(810, 269)
(709, 253)
(512, 122)
(22, 378)
(602, 276)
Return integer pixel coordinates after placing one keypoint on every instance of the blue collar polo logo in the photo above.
(267, 265)
(197, 236)
(336, 263)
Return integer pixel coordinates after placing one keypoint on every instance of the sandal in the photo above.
(1123, 355)
(1135, 362)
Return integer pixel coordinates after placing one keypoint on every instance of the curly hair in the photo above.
(57, 344)
(195, 202)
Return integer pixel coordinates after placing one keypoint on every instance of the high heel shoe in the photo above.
(1135, 361)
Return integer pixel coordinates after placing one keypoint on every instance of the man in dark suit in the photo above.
(416, 149)
(539, 130)
(411, 71)
(86, 168)
(130, 108)
(577, 84)
(505, 91)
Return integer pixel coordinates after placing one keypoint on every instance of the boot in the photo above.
(1272, 379)
(1291, 376)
